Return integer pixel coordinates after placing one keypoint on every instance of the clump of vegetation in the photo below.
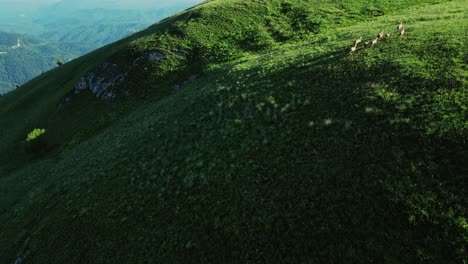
(33, 135)
(59, 62)
(256, 39)
(35, 142)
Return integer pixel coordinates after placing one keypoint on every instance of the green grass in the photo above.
(285, 149)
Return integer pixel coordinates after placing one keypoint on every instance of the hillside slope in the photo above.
(243, 131)
(23, 57)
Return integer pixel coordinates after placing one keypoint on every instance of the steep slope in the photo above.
(24, 57)
(244, 132)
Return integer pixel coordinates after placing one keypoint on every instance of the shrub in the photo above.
(256, 39)
(33, 135)
(59, 62)
(301, 18)
(217, 52)
(279, 28)
(35, 141)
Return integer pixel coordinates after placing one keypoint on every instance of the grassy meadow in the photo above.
(284, 148)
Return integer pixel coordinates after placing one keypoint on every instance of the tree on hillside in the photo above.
(59, 62)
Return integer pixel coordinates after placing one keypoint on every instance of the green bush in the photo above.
(35, 141)
(59, 62)
(33, 135)
(256, 39)
(301, 18)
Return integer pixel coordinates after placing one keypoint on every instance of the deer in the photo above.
(358, 41)
(352, 50)
(374, 42)
(400, 26)
(401, 33)
(388, 34)
(380, 35)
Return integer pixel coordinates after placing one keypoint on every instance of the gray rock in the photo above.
(81, 85)
(139, 60)
(155, 56)
(18, 260)
(152, 56)
(109, 96)
(175, 87)
(104, 82)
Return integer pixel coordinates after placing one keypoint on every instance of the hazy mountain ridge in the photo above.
(70, 29)
(23, 57)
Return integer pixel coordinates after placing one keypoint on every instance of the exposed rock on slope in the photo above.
(104, 82)
(152, 56)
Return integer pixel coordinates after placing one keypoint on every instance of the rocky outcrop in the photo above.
(18, 45)
(151, 56)
(192, 77)
(104, 82)
(155, 56)
(176, 87)
(107, 81)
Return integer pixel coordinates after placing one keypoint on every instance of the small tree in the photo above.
(59, 62)
(35, 142)
(35, 134)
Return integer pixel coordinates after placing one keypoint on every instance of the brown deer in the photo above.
(380, 35)
(401, 33)
(352, 50)
(358, 41)
(400, 26)
(374, 42)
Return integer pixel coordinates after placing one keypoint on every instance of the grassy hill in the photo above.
(32, 57)
(243, 131)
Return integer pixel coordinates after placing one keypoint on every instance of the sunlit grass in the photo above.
(295, 153)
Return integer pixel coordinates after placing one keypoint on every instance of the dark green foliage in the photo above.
(256, 39)
(35, 134)
(373, 11)
(292, 152)
(301, 19)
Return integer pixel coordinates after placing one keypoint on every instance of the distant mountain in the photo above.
(23, 57)
(67, 29)
(82, 23)
(85, 30)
